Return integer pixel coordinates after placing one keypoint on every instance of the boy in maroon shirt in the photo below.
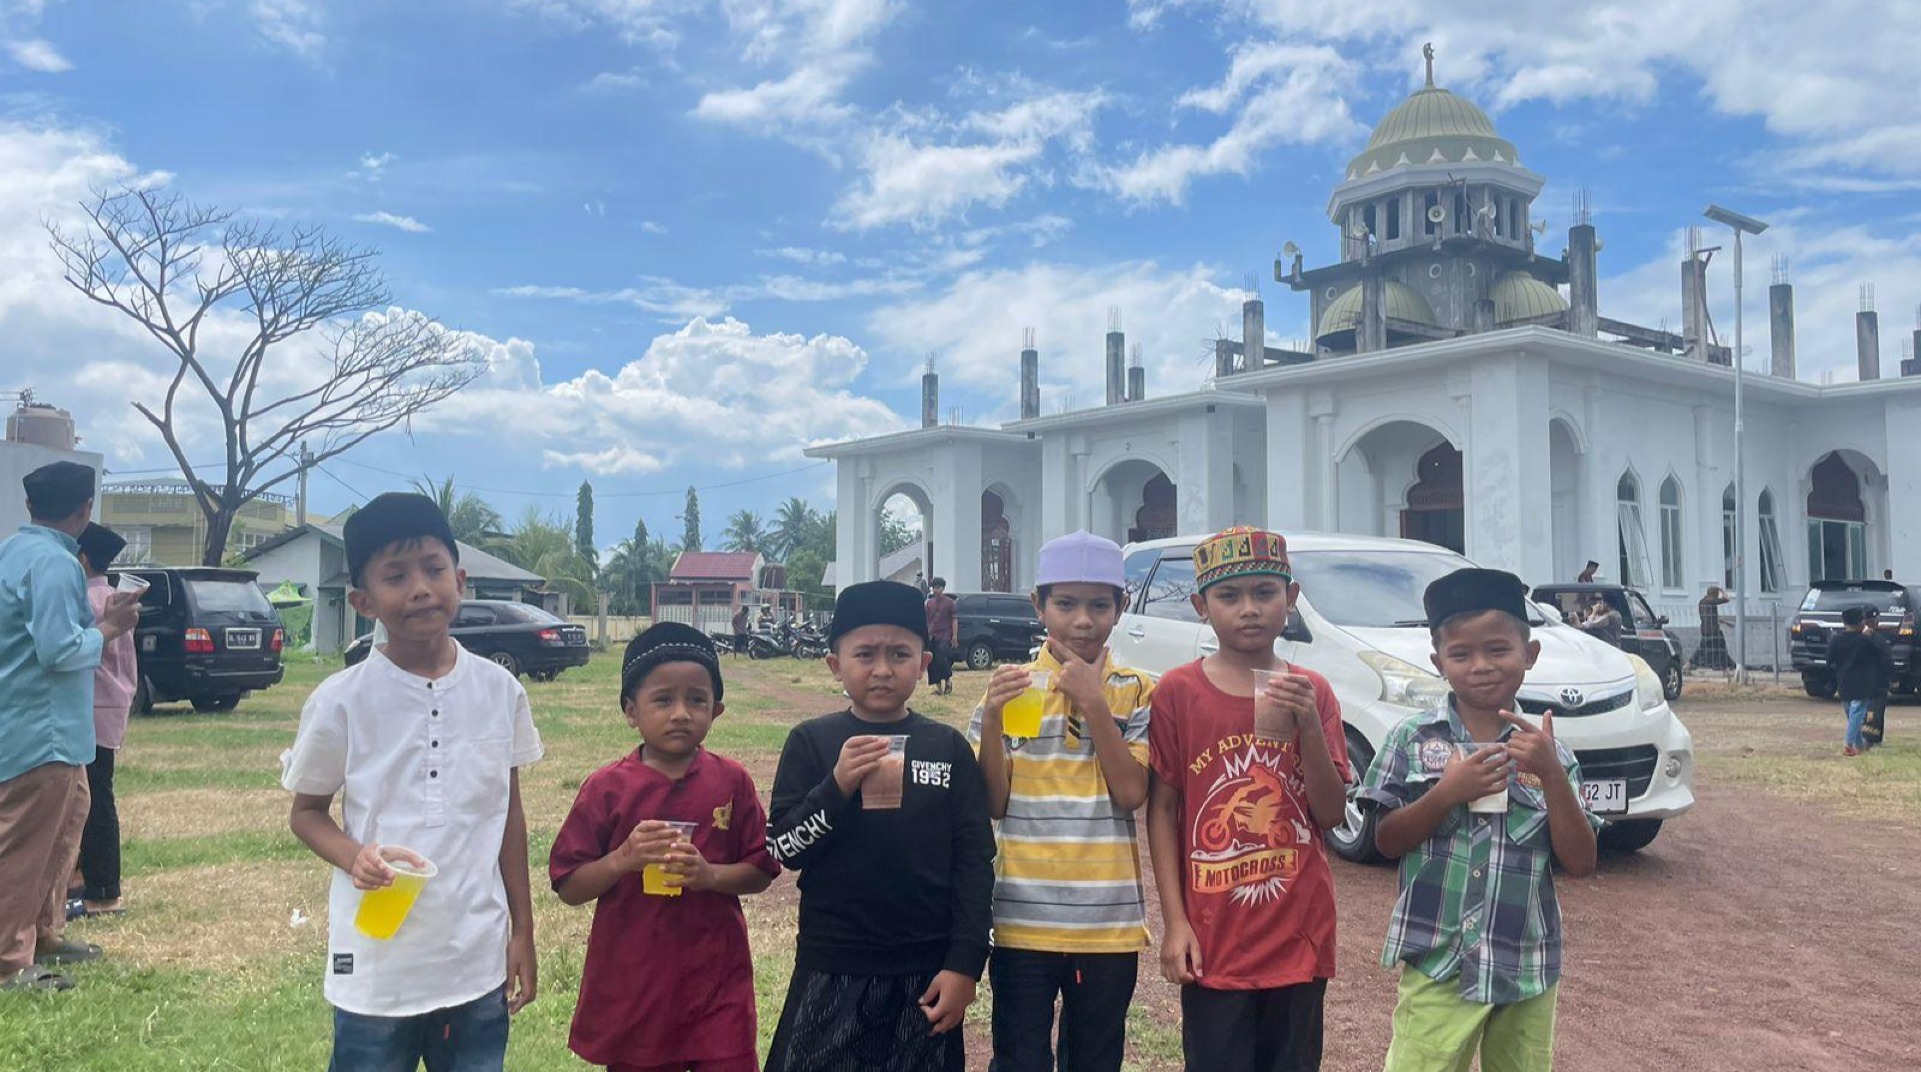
(668, 984)
(1235, 815)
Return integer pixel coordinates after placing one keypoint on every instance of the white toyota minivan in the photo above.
(1360, 623)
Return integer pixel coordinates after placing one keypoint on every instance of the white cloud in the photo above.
(38, 54)
(653, 227)
(374, 165)
(655, 295)
(292, 25)
(817, 48)
(388, 219)
(799, 255)
(713, 392)
(636, 21)
(615, 81)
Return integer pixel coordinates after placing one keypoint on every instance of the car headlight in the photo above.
(1405, 684)
(1647, 684)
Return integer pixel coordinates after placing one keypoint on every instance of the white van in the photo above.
(1361, 624)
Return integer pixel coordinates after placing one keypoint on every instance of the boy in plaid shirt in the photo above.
(1478, 805)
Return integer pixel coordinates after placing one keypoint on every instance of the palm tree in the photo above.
(636, 565)
(745, 532)
(793, 525)
(545, 545)
(470, 516)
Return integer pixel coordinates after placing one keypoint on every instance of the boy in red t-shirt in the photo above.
(668, 983)
(1235, 819)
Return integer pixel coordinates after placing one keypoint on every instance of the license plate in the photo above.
(1605, 796)
(243, 640)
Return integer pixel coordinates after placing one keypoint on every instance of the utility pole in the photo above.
(1740, 225)
(300, 497)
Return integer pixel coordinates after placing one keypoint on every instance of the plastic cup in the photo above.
(382, 911)
(1493, 803)
(1022, 715)
(881, 789)
(1270, 722)
(657, 880)
(131, 582)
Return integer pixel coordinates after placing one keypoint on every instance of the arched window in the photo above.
(1772, 579)
(1673, 573)
(1837, 522)
(1633, 544)
(1727, 537)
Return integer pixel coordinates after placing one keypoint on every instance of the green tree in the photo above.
(635, 566)
(471, 517)
(896, 534)
(584, 525)
(793, 524)
(544, 544)
(690, 518)
(745, 532)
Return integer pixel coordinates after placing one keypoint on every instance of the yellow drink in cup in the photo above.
(657, 880)
(1021, 717)
(382, 911)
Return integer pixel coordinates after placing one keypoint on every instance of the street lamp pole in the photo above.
(1740, 225)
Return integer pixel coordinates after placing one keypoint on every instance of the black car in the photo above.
(518, 637)
(207, 635)
(1643, 632)
(995, 627)
(1820, 618)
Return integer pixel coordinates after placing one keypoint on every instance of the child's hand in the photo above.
(1472, 777)
(370, 870)
(1181, 955)
(1533, 748)
(946, 1000)
(1008, 682)
(685, 860)
(649, 842)
(1080, 681)
(1294, 695)
(523, 972)
(858, 757)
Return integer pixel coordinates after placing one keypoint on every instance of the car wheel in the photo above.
(215, 705)
(543, 675)
(1821, 688)
(506, 661)
(1631, 835)
(980, 655)
(143, 697)
(1353, 840)
(1671, 682)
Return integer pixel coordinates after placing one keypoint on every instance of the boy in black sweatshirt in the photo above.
(895, 902)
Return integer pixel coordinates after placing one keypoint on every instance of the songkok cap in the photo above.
(878, 603)
(390, 519)
(101, 545)
(1080, 557)
(1241, 551)
(667, 642)
(58, 489)
(1473, 590)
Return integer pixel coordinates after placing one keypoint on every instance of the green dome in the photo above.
(1403, 303)
(1432, 127)
(1519, 296)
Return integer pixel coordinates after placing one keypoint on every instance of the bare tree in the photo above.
(181, 271)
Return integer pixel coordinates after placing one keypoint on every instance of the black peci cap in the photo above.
(101, 545)
(667, 642)
(878, 603)
(1473, 590)
(56, 490)
(390, 519)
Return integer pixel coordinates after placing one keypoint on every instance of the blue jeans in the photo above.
(1857, 717)
(464, 1038)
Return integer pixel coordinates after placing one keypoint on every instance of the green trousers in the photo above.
(1437, 1030)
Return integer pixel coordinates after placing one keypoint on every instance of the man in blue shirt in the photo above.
(49, 647)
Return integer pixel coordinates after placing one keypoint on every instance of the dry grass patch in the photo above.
(192, 813)
(226, 917)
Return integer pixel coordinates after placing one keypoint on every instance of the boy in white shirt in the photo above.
(422, 741)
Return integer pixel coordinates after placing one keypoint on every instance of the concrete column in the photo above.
(1204, 471)
(1253, 333)
(1116, 367)
(1371, 335)
(1583, 294)
(957, 518)
(1904, 487)
(1290, 460)
(1506, 464)
(852, 563)
(1030, 384)
(1328, 508)
(1781, 329)
(1136, 383)
(1867, 344)
(1223, 359)
(1060, 489)
(929, 399)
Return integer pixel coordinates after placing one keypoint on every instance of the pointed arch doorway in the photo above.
(1434, 512)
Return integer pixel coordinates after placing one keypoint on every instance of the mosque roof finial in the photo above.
(1427, 53)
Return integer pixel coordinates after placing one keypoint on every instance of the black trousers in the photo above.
(942, 668)
(100, 838)
(1276, 1030)
(1094, 989)
(861, 1023)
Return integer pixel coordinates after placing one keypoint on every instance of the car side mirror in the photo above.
(1297, 630)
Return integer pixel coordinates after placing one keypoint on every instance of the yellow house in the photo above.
(164, 527)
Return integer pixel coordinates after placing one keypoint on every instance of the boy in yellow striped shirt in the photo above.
(1069, 915)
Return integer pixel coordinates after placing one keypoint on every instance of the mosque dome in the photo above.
(1519, 296)
(1433, 127)
(1403, 303)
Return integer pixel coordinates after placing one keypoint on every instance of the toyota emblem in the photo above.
(1572, 697)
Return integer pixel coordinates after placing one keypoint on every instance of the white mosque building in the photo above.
(1455, 393)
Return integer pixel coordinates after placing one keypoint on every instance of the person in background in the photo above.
(943, 635)
(1875, 729)
(740, 631)
(1863, 669)
(113, 687)
(1587, 575)
(920, 582)
(1603, 622)
(50, 646)
(1712, 652)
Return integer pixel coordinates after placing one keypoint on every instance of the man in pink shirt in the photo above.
(113, 688)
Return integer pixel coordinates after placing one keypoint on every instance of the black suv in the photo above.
(1820, 618)
(207, 635)
(518, 637)
(995, 627)
(1643, 632)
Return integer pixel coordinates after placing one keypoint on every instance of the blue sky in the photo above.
(694, 237)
